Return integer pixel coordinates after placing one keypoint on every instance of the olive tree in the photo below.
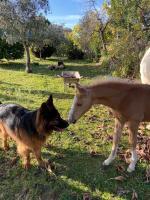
(22, 22)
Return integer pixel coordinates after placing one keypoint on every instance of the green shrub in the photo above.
(45, 52)
(2, 49)
(74, 53)
(15, 51)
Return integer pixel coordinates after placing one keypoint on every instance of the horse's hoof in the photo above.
(130, 170)
(106, 163)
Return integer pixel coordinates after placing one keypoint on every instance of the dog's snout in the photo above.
(66, 124)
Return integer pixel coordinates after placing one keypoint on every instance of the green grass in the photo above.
(76, 171)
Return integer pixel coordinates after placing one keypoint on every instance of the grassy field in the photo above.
(77, 153)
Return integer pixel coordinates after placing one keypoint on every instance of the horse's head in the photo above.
(81, 103)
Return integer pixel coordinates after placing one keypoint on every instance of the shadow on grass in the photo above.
(14, 99)
(9, 84)
(47, 93)
(87, 171)
(66, 60)
(76, 172)
(32, 91)
(87, 70)
(13, 66)
(74, 176)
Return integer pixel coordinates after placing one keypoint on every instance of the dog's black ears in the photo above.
(49, 100)
(43, 107)
(47, 105)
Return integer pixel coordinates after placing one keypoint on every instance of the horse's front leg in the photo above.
(116, 138)
(133, 128)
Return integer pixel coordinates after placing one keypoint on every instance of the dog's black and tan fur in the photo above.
(29, 129)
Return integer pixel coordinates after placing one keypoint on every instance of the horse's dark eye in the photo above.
(79, 104)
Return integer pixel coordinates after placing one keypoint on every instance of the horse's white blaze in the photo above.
(72, 110)
(134, 159)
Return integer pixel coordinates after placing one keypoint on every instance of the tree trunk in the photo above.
(40, 55)
(28, 68)
(103, 40)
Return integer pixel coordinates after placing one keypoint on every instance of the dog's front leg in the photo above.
(116, 138)
(133, 128)
(41, 162)
(25, 155)
(4, 137)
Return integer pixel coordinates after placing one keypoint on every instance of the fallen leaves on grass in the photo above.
(143, 149)
(96, 135)
(121, 191)
(134, 195)
(127, 156)
(109, 138)
(118, 178)
(71, 133)
(105, 137)
(93, 118)
(76, 139)
(120, 168)
(86, 142)
(86, 196)
(94, 153)
(14, 161)
(102, 127)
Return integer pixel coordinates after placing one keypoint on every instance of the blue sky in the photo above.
(68, 12)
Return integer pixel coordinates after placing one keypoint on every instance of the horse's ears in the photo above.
(80, 88)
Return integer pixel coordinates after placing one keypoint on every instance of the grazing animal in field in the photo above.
(29, 129)
(130, 103)
(145, 68)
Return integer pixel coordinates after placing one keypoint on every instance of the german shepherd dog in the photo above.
(29, 129)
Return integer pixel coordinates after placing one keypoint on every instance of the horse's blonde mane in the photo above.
(103, 80)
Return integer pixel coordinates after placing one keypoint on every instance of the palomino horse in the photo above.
(130, 104)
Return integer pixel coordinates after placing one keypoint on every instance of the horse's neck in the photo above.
(106, 95)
